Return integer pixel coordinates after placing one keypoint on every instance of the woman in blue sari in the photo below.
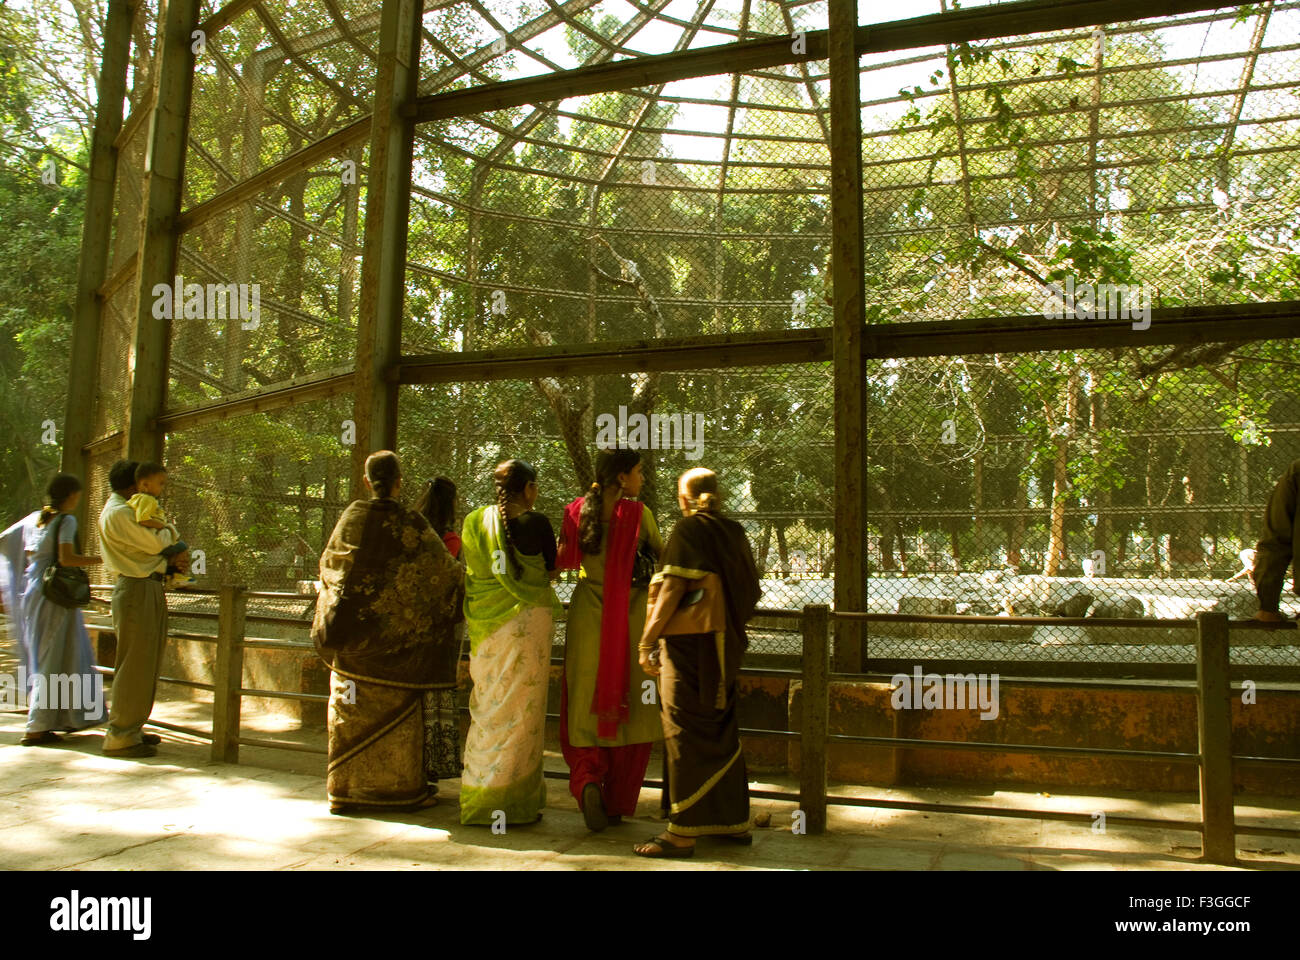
(66, 692)
(17, 544)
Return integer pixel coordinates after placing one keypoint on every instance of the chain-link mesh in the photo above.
(1136, 166)
(689, 208)
(96, 491)
(1105, 484)
(281, 77)
(766, 433)
(1144, 163)
(259, 495)
(269, 289)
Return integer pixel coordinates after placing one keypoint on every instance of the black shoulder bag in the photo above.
(65, 586)
(643, 564)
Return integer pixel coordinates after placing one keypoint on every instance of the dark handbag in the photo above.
(700, 609)
(65, 586)
(643, 564)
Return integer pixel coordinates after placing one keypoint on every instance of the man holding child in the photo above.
(140, 556)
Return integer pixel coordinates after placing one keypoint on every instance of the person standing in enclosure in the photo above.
(510, 610)
(707, 592)
(607, 723)
(389, 596)
(139, 555)
(1279, 547)
(60, 646)
(441, 719)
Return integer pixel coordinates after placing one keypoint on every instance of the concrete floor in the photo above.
(69, 807)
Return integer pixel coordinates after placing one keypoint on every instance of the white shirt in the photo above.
(130, 549)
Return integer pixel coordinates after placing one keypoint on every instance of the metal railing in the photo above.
(1212, 689)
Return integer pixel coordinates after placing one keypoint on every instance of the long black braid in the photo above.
(510, 479)
(609, 464)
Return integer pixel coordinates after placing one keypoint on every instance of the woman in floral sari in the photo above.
(607, 725)
(389, 594)
(510, 606)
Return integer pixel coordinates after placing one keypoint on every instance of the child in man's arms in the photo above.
(150, 479)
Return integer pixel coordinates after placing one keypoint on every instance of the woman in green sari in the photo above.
(510, 608)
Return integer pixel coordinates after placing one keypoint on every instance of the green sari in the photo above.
(509, 621)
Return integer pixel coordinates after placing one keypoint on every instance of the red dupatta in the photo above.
(610, 704)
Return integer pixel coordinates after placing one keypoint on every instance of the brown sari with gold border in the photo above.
(708, 784)
(390, 594)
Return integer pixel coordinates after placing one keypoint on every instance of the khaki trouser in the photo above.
(140, 623)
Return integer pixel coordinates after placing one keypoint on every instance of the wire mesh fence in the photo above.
(269, 288)
(259, 495)
(1091, 173)
(1067, 174)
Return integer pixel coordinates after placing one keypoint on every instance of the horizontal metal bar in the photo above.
(284, 695)
(1014, 812)
(774, 734)
(187, 683)
(1147, 623)
(162, 724)
(280, 745)
(1071, 669)
(771, 673)
(1259, 831)
(906, 743)
(272, 397)
(615, 356)
(276, 645)
(1266, 761)
(1026, 334)
(309, 156)
(109, 671)
(743, 56)
(962, 619)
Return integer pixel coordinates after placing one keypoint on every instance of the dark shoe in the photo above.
(663, 849)
(138, 750)
(150, 738)
(42, 739)
(593, 808)
(616, 819)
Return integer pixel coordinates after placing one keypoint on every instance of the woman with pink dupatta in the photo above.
(607, 724)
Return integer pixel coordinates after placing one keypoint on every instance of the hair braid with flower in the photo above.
(511, 478)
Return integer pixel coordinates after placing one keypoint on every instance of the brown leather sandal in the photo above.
(665, 849)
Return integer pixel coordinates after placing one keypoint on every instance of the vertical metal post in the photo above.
(383, 259)
(159, 242)
(848, 330)
(814, 725)
(1214, 733)
(228, 677)
(96, 239)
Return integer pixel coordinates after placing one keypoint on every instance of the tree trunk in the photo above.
(1186, 555)
(1055, 558)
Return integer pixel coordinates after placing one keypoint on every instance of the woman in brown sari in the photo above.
(390, 592)
(708, 581)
